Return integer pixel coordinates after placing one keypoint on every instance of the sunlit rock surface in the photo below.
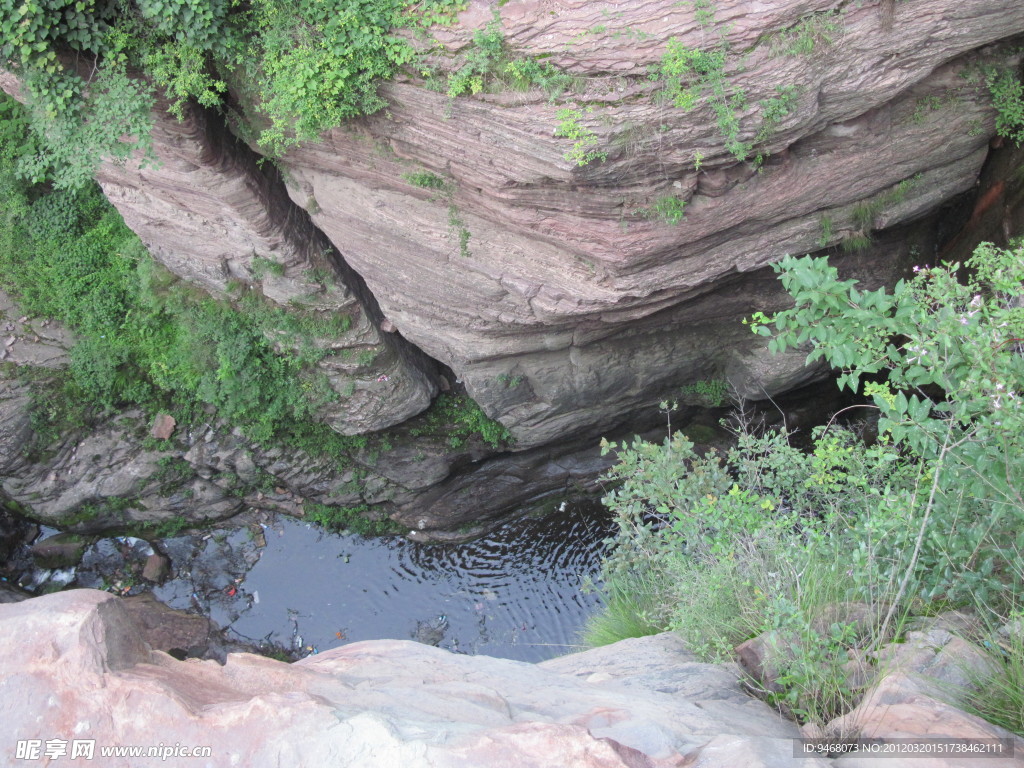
(77, 667)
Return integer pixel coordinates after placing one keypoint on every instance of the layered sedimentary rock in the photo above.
(563, 286)
(457, 231)
(214, 218)
(112, 477)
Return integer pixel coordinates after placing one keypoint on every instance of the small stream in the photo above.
(281, 582)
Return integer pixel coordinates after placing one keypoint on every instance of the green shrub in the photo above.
(812, 31)
(626, 612)
(143, 338)
(171, 527)
(773, 111)
(687, 71)
(306, 66)
(321, 63)
(1008, 99)
(353, 519)
(856, 242)
(689, 74)
(667, 209)
(583, 138)
(928, 517)
(459, 418)
(825, 239)
(425, 180)
(997, 694)
(755, 541)
(710, 393)
(484, 60)
(262, 266)
(489, 62)
(934, 334)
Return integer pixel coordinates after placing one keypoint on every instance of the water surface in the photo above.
(515, 593)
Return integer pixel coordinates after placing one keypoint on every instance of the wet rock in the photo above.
(166, 629)
(63, 550)
(431, 632)
(15, 533)
(157, 568)
(103, 479)
(12, 594)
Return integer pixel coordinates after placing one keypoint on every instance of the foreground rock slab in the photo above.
(78, 668)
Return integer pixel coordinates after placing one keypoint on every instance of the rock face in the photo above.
(555, 291)
(560, 298)
(77, 667)
(35, 342)
(124, 472)
(564, 286)
(211, 216)
(110, 478)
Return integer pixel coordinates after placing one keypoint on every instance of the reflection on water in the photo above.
(514, 593)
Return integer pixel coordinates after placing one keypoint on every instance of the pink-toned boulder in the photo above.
(76, 667)
(163, 426)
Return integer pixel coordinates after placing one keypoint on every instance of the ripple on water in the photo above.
(514, 593)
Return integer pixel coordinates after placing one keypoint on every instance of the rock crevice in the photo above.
(214, 218)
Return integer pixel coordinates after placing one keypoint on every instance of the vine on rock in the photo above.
(91, 69)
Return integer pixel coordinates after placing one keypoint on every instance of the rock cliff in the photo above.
(210, 215)
(575, 257)
(567, 285)
(116, 475)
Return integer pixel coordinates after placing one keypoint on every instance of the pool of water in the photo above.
(515, 593)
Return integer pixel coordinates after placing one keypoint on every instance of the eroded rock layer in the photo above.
(569, 293)
(216, 219)
(529, 268)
